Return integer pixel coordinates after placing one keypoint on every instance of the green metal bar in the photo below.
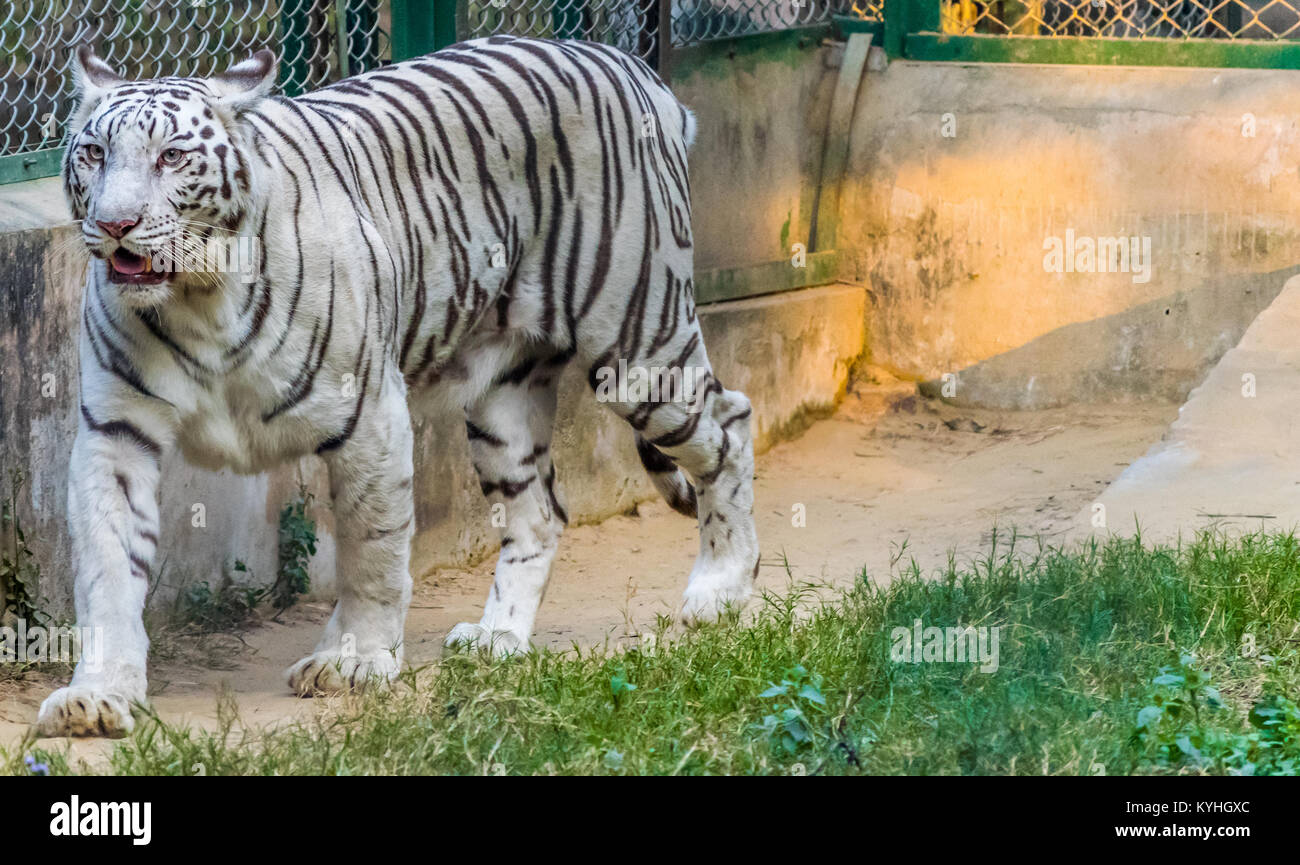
(846, 25)
(896, 16)
(924, 16)
(444, 24)
(341, 49)
(1233, 15)
(663, 29)
(414, 31)
(1094, 51)
(31, 166)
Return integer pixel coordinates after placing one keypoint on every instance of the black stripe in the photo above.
(653, 459)
(477, 433)
(121, 429)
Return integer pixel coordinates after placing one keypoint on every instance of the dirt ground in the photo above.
(888, 474)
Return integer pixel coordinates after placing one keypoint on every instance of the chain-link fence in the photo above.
(317, 40)
(696, 21)
(868, 10)
(323, 40)
(1178, 19)
(633, 25)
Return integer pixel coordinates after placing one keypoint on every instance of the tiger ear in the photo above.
(93, 78)
(246, 82)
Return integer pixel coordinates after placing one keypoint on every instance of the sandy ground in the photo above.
(889, 473)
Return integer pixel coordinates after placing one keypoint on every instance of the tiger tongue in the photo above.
(129, 263)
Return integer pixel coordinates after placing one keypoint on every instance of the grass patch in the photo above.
(1115, 659)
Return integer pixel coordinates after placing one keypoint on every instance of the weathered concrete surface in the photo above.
(209, 520)
(35, 204)
(757, 155)
(1158, 350)
(948, 233)
(1230, 459)
(790, 353)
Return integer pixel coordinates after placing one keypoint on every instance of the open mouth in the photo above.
(127, 268)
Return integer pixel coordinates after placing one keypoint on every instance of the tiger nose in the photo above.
(117, 227)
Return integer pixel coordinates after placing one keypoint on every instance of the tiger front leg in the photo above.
(113, 521)
(370, 481)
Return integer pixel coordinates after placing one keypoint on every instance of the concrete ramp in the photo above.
(1232, 459)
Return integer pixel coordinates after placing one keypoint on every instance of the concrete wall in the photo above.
(757, 120)
(947, 231)
(762, 115)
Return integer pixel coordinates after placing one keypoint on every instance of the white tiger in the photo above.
(454, 229)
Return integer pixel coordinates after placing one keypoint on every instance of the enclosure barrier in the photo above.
(1209, 33)
(320, 41)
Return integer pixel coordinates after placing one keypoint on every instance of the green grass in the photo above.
(1199, 640)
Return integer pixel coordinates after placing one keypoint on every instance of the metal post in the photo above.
(896, 12)
(414, 34)
(924, 16)
(444, 24)
(909, 16)
(1234, 20)
(664, 41)
(341, 29)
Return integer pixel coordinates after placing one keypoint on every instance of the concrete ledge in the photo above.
(1229, 461)
(1158, 350)
(789, 352)
(34, 204)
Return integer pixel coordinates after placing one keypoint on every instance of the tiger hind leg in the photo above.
(510, 437)
(703, 429)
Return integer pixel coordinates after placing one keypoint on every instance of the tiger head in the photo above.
(157, 170)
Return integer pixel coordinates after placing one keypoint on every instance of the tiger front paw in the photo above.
(330, 672)
(82, 711)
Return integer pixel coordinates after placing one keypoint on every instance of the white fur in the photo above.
(211, 366)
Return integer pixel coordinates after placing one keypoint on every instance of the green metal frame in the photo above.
(31, 166)
(1211, 53)
(755, 280)
(912, 31)
(423, 26)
